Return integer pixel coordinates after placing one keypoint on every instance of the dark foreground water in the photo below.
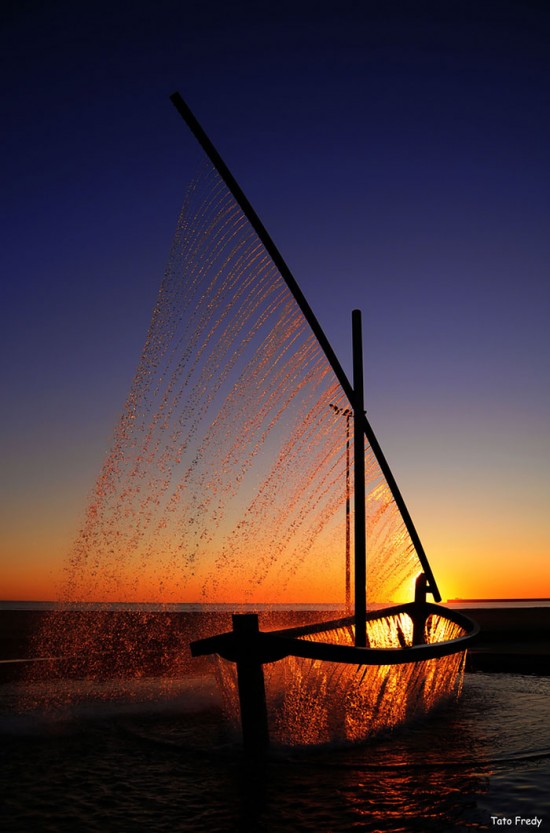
(167, 761)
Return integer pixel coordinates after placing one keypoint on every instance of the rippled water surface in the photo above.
(166, 761)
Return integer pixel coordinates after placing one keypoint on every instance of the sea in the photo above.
(161, 758)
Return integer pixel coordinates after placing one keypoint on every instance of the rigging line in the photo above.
(249, 212)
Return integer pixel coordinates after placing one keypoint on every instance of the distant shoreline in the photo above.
(228, 607)
(496, 601)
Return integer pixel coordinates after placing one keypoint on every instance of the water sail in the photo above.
(227, 474)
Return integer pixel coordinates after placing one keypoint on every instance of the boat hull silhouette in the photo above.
(411, 628)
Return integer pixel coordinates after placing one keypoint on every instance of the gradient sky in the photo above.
(399, 155)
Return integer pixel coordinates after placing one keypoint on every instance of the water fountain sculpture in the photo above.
(412, 635)
(224, 489)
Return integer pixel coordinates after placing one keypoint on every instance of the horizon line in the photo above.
(270, 604)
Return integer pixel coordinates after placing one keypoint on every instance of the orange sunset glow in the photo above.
(38, 572)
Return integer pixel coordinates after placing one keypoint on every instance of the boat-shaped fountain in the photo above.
(374, 669)
(244, 478)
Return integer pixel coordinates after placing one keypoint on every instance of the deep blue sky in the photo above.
(399, 155)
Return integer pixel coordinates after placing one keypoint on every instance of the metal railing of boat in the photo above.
(247, 642)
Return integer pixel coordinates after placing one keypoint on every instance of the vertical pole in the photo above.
(419, 615)
(250, 678)
(348, 529)
(359, 484)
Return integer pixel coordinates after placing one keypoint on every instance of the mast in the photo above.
(300, 299)
(359, 497)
